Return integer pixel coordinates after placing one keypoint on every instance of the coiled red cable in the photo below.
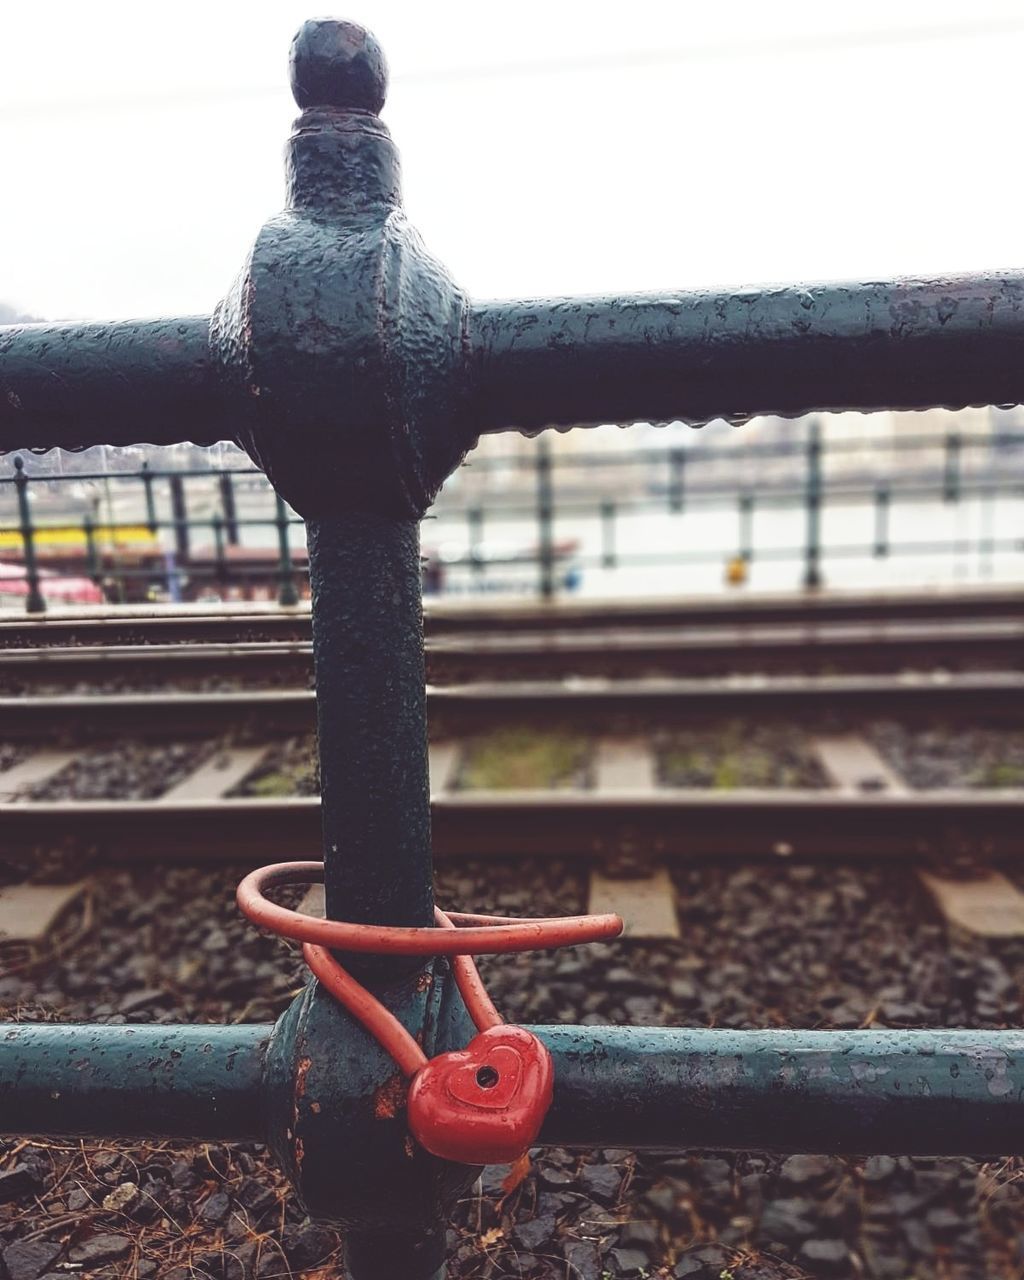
(459, 935)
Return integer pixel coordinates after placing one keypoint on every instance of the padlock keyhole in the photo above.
(487, 1077)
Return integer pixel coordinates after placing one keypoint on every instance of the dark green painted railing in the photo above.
(904, 1092)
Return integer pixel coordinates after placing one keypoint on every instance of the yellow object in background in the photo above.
(736, 571)
(117, 535)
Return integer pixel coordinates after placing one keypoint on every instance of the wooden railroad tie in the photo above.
(986, 903)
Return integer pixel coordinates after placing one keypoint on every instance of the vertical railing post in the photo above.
(371, 712)
(361, 490)
(91, 558)
(986, 538)
(179, 518)
(147, 484)
(746, 551)
(545, 521)
(475, 523)
(34, 602)
(287, 593)
(220, 564)
(609, 557)
(881, 521)
(812, 497)
(951, 480)
(677, 471)
(228, 508)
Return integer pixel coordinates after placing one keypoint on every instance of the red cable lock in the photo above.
(483, 1104)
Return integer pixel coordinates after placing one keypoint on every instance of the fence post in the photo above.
(147, 484)
(91, 558)
(881, 521)
(986, 540)
(34, 602)
(287, 593)
(545, 519)
(179, 517)
(609, 558)
(227, 506)
(677, 472)
(746, 552)
(475, 521)
(812, 553)
(951, 482)
(221, 568)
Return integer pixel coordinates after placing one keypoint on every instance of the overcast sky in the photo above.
(567, 146)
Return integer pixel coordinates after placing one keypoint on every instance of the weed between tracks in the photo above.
(523, 759)
(738, 754)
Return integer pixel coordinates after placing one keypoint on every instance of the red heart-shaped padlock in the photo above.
(483, 1104)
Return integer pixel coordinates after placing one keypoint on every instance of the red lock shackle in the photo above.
(460, 1106)
(478, 935)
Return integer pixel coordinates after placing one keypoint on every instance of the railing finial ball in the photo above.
(338, 64)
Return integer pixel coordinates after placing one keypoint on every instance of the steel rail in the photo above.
(714, 611)
(511, 824)
(133, 625)
(934, 1092)
(990, 698)
(130, 626)
(864, 647)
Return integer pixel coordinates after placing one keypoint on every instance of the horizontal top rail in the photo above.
(907, 344)
(73, 385)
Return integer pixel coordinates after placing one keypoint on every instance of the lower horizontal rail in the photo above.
(899, 1092)
(685, 824)
(932, 1092)
(136, 1082)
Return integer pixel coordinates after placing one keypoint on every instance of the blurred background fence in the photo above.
(790, 505)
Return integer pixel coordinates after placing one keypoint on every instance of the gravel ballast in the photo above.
(944, 755)
(779, 945)
(131, 770)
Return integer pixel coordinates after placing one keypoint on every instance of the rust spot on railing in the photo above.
(301, 1071)
(390, 1097)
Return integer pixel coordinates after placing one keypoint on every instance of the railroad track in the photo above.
(625, 813)
(995, 643)
(247, 623)
(625, 820)
(598, 704)
(480, 824)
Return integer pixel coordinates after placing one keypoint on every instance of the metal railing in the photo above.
(140, 538)
(357, 374)
(151, 554)
(817, 475)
